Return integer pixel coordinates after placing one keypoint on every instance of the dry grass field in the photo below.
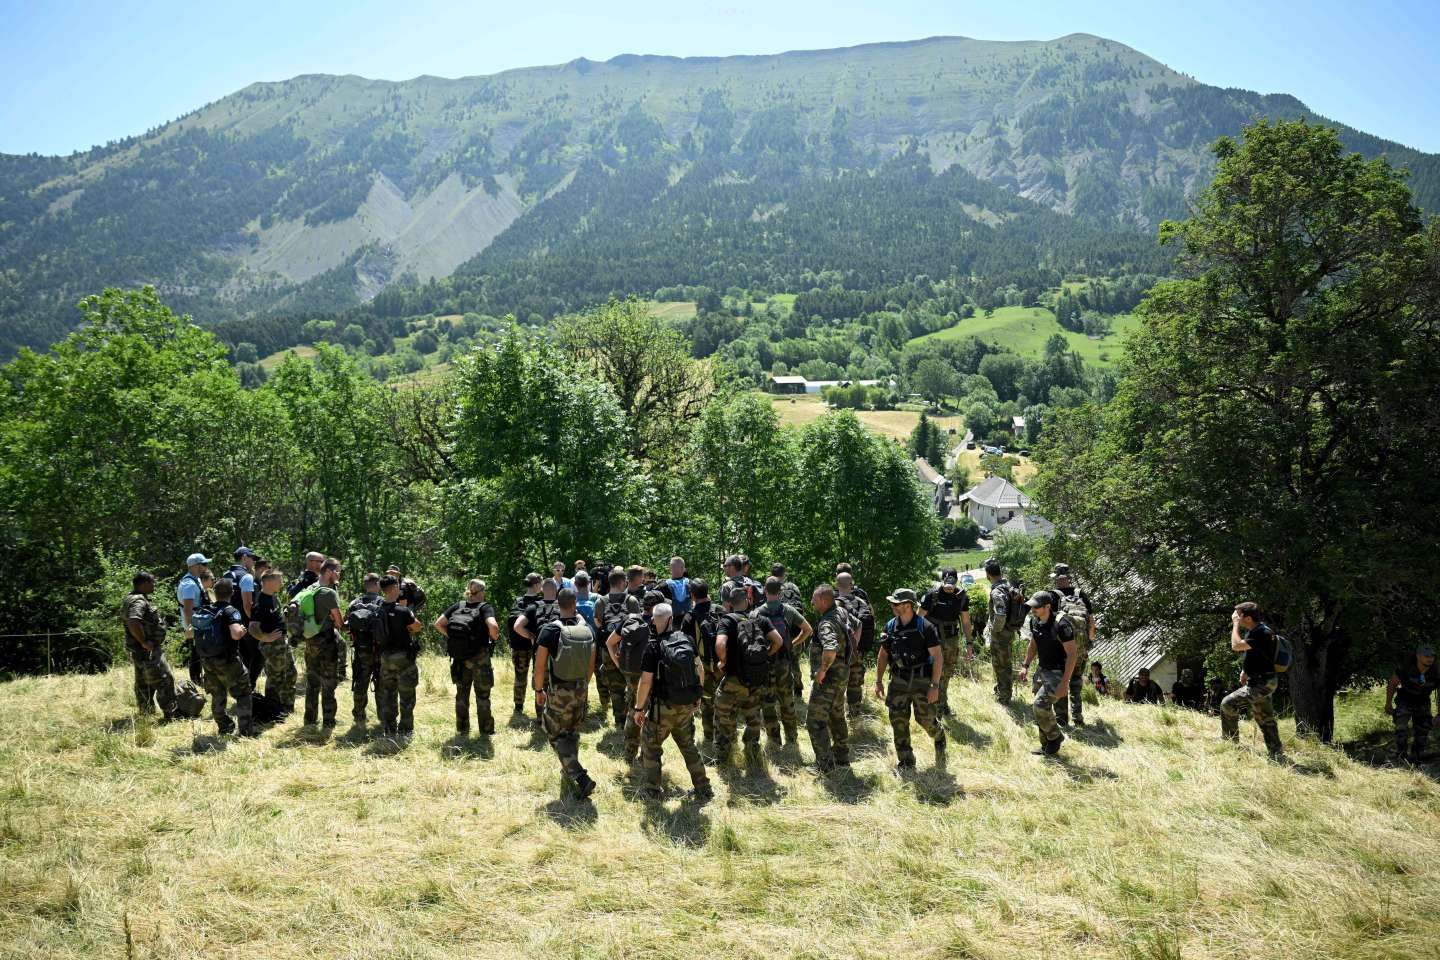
(800, 409)
(1151, 839)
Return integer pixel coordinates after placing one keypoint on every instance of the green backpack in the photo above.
(571, 662)
(1073, 610)
(300, 612)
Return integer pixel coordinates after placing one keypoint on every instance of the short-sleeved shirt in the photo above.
(832, 632)
(1050, 638)
(943, 607)
(1259, 662)
(189, 589)
(265, 612)
(483, 615)
(908, 645)
(729, 625)
(225, 618)
(794, 620)
(549, 635)
(398, 618)
(326, 599)
(139, 607)
(1136, 692)
(691, 625)
(1416, 687)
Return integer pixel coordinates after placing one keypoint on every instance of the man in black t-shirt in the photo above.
(948, 607)
(399, 676)
(700, 624)
(1187, 691)
(470, 665)
(521, 636)
(564, 664)
(910, 648)
(267, 626)
(225, 674)
(1052, 643)
(1252, 637)
(1407, 700)
(1141, 689)
(665, 703)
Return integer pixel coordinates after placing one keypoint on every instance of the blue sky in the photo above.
(73, 74)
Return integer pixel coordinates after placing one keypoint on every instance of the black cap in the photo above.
(1042, 598)
(653, 597)
(244, 552)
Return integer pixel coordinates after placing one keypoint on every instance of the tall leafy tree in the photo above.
(1275, 435)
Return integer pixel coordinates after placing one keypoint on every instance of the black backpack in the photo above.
(615, 613)
(212, 631)
(1015, 611)
(778, 624)
(466, 635)
(411, 593)
(860, 612)
(634, 635)
(705, 628)
(748, 642)
(678, 676)
(517, 610)
(364, 622)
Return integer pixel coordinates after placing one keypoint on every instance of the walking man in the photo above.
(564, 663)
(666, 698)
(1251, 636)
(948, 607)
(830, 655)
(1052, 642)
(911, 649)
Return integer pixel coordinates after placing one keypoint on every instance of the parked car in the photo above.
(984, 531)
(970, 445)
(966, 580)
(1024, 453)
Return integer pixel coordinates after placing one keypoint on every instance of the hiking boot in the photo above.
(1052, 747)
(940, 745)
(703, 793)
(328, 723)
(905, 765)
(249, 733)
(584, 786)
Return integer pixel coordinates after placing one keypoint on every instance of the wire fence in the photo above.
(54, 651)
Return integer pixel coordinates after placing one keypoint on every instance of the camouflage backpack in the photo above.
(1072, 609)
(189, 700)
(571, 662)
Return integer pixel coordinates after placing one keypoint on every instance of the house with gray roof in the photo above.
(993, 502)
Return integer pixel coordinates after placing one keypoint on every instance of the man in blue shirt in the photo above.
(192, 597)
(679, 588)
(562, 582)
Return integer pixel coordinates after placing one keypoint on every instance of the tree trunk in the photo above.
(1312, 686)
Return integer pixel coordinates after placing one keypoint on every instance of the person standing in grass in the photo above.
(322, 649)
(145, 642)
(862, 619)
(267, 626)
(948, 607)
(398, 672)
(1407, 701)
(672, 677)
(564, 664)
(911, 649)
(1052, 642)
(830, 655)
(225, 674)
(745, 646)
(470, 630)
(999, 635)
(1254, 638)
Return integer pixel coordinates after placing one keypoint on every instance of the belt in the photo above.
(910, 671)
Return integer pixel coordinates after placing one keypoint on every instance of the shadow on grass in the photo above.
(1378, 750)
(121, 725)
(462, 746)
(311, 736)
(572, 813)
(1021, 714)
(1079, 773)
(612, 743)
(1096, 733)
(936, 786)
(201, 743)
(962, 732)
(686, 826)
(846, 786)
(750, 784)
(383, 746)
(358, 735)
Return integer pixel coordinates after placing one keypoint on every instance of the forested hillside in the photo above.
(546, 189)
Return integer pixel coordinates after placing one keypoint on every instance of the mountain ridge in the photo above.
(316, 192)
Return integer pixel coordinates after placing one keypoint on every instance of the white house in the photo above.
(1017, 426)
(936, 484)
(798, 384)
(994, 502)
(1123, 657)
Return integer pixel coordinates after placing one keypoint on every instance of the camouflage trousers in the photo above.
(736, 703)
(778, 700)
(909, 692)
(154, 683)
(825, 718)
(322, 676)
(707, 699)
(1045, 684)
(632, 732)
(1070, 707)
(677, 723)
(855, 684)
(226, 676)
(399, 677)
(611, 683)
(364, 676)
(280, 672)
(521, 660)
(950, 650)
(565, 706)
(1256, 698)
(1000, 643)
(1412, 718)
(477, 674)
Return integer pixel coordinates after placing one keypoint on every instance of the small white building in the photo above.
(1017, 426)
(798, 384)
(1124, 656)
(993, 502)
(936, 484)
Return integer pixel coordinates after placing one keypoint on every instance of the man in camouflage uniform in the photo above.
(834, 644)
(563, 703)
(666, 709)
(948, 607)
(323, 651)
(635, 631)
(399, 675)
(778, 699)
(364, 657)
(699, 625)
(999, 637)
(474, 672)
(735, 700)
(911, 649)
(1052, 642)
(857, 606)
(1074, 604)
(611, 609)
(225, 672)
(145, 641)
(523, 627)
(1407, 701)
(267, 626)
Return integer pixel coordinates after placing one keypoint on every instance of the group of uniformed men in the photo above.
(660, 652)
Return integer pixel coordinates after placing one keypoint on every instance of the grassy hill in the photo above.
(1025, 330)
(1150, 839)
